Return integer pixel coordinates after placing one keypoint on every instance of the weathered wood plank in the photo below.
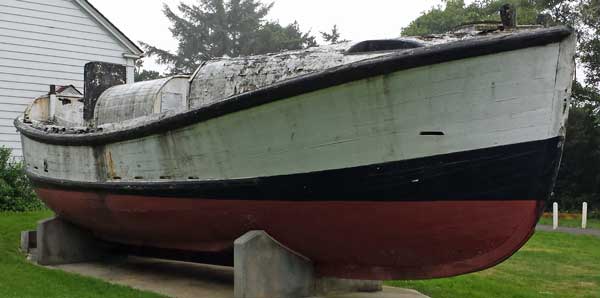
(32, 74)
(54, 6)
(62, 47)
(8, 134)
(19, 93)
(57, 40)
(26, 13)
(30, 28)
(7, 52)
(37, 80)
(12, 107)
(45, 66)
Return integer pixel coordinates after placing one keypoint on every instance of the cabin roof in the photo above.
(61, 89)
(134, 49)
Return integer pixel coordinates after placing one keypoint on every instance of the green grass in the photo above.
(550, 265)
(21, 279)
(592, 223)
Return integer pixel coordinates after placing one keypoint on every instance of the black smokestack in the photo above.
(508, 14)
(98, 77)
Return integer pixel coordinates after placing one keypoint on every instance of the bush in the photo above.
(595, 214)
(16, 193)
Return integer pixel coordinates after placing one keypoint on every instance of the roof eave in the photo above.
(106, 23)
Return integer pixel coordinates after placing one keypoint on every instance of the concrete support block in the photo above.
(60, 242)
(28, 241)
(264, 268)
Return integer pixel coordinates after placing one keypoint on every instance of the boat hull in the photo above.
(359, 240)
(424, 218)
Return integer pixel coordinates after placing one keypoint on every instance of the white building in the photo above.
(45, 42)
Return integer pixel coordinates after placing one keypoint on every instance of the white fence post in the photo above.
(584, 212)
(555, 216)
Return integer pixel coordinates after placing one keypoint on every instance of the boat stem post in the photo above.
(59, 242)
(28, 241)
(264, 268)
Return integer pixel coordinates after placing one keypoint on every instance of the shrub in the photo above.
(595, 214)
(16, 193)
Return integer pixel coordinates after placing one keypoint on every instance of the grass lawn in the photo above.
(21, 279)
(550, 265)
(570, 221)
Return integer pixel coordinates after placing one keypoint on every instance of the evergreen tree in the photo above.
(144, 75)
(584, 17)
(216, 28)
(272, 37)
(333, 37)
(579, 175)
(454, 13)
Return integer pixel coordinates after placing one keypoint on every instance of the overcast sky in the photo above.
(143, 20)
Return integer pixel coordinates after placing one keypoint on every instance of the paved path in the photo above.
(388, 292)
(574, 231)
(186, 280)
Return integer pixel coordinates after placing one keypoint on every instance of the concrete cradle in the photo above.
(263, 267)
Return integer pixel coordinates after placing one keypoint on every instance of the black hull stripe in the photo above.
(329, 78)
(525, 171)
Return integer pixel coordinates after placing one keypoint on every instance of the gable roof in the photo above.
(134, 50)
(73, 89)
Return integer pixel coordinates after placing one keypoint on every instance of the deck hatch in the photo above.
(383, 45)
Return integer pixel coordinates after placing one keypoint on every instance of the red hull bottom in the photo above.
(359, 240)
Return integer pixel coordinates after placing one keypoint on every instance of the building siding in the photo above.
(45, 42)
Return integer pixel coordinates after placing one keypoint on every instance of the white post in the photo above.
(584, 215)
(52, 102)
(52, 107)
(555, 215)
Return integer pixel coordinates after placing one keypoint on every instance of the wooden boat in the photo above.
(411, 158)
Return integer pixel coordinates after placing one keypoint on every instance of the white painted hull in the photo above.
(481, 102)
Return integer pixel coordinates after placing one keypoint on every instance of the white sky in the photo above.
(143, 20)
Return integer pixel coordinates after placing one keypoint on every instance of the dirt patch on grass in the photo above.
(540, 249)
(563, 215)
